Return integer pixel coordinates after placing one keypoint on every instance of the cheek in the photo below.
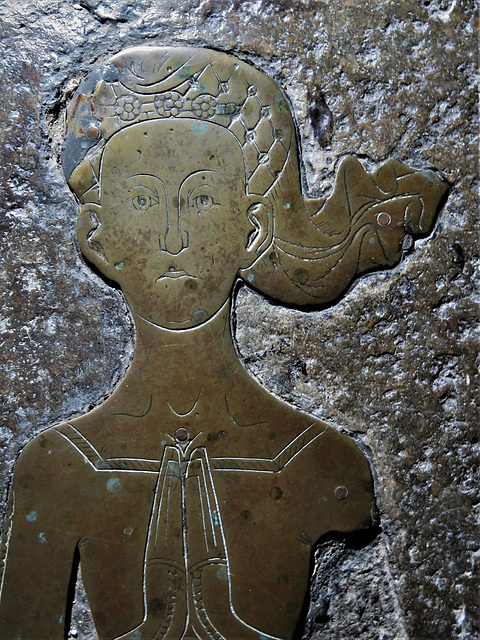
(133, 231)
(227, 226)
(226, 247)
(220, 270)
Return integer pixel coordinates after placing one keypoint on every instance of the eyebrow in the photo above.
(145, 175)
(194, 174)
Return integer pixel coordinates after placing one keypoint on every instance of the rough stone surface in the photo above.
(393, 364)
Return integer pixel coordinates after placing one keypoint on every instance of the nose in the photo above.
(174, 241)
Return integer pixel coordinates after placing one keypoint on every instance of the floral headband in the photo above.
(155, 83)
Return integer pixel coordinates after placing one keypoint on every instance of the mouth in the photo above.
(175, 274)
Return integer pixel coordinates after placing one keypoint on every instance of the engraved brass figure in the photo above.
(192, 494)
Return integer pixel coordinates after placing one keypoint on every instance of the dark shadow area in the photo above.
(337, 546)
(71, 592)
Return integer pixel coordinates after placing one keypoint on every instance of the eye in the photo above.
(203, 202)
(202, 198)
(142, 203)
(144, 198)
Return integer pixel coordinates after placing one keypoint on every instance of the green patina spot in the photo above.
(114, 485)
(301, 276)
(199, 127)
(225, 109)
(184, 73)
(198, 315)
(281, 103)
(101, 464)
(223, 371)
(174, 469)
(222, 573)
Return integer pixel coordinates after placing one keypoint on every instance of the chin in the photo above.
(177, 320)
(178, 312)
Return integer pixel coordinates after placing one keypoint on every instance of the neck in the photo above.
(177, 368)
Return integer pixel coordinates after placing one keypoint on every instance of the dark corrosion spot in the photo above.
(156, 607)
(247, 514)
(301, 275)
(292, 606)
(321, 118)
(191, 285)
(276, 493)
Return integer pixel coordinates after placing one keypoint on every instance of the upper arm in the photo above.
(336, 486)
(40, 538)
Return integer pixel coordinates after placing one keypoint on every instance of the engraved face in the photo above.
(173, 218)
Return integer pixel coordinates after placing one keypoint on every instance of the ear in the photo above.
(259, 239)
(89, 235)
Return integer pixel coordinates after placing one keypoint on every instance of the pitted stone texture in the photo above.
(394, 363)
(355, 579)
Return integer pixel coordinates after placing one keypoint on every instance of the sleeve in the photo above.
(38, 542)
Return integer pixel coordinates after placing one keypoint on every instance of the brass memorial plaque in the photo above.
(192, 495)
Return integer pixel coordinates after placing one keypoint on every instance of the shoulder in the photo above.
(333, 475)
(48, 505)
(48, 462)
(333, 454)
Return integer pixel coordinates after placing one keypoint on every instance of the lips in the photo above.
(175, 274)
